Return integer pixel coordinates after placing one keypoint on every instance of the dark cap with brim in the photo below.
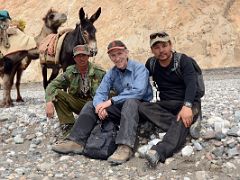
(116, 45)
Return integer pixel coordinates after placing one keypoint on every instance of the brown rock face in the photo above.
(206, 30)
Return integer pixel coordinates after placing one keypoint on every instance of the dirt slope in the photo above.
(208, 30)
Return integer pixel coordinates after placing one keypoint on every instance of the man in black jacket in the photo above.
(178, 107)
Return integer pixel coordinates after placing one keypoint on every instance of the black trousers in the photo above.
(164, 115)
(125, 114)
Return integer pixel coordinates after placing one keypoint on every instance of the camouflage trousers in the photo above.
(65, 105)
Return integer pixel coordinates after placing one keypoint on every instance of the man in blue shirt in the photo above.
(130, 81)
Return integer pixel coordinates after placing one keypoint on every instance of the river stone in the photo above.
(235, 131)
(18, 139)
(187, 151)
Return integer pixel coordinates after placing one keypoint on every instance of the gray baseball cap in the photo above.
(81, 49)
(159, 37)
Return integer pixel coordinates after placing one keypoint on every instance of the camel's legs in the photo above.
(18, 80)
(7, 85)
(24, 64)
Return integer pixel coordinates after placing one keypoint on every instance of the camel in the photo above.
(84, 33)
(16, 62)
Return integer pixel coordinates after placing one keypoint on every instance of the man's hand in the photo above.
(102, 114)
(50, 109)
(101, 109)
(186, 115)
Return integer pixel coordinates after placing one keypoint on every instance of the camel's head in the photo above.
(88, 30)
(54, 19)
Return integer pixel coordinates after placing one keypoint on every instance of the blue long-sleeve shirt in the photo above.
(133, 83)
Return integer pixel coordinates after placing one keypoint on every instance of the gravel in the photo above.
(26, 136)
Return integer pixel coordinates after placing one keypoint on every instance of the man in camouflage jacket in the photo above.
(81, 81)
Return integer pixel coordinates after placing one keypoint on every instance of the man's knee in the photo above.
(130, 107)
(88, 107)
(89, 104)
(131, 102)
(130, 110)
(61, 94)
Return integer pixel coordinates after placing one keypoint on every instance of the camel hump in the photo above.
(64, 31)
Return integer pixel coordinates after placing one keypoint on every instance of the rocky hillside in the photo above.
(208, 30)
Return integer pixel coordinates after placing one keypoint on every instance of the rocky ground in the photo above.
(26, 136)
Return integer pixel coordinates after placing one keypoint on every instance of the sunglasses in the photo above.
(158, 34)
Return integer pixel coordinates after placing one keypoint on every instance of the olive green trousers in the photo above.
(65, 105)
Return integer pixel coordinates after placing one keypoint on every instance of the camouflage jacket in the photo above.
(71, 80)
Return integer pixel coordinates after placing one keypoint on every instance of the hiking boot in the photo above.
(153, 157)
(68, 147)
(121, 155)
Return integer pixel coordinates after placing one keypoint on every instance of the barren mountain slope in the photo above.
(208, 30)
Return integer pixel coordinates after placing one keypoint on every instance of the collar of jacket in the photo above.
(129, 66)
(91, 70)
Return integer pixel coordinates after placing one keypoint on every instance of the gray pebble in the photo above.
(18, 139)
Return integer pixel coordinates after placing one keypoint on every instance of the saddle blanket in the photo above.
(50, 47)
(48, 44)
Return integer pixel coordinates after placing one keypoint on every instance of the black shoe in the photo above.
(153, 157)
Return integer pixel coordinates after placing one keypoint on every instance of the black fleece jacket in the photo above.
(170, 85)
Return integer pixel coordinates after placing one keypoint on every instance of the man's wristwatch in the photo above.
(187, 104)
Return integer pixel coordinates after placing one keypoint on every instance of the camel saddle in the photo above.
(15, 40)
(5, 34)
(50, 47)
